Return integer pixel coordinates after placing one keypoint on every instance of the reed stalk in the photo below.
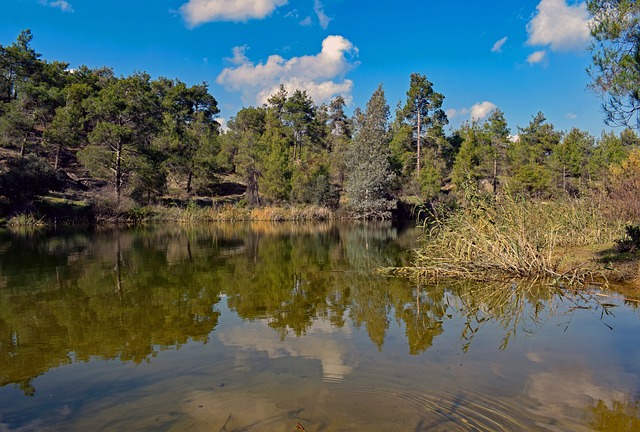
(509, 237)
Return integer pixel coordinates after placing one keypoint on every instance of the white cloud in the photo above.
(452, 113)
(63, 5)
(321, 342)
(223, 124)
(322, 17)
(239, 56)
(321, 75)
(497, 47)
(571, 116)
(479, 111)
(562, 27)
(306, 22)
(537, 57)
(196, 12)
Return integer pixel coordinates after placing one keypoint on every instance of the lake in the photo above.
(285, 327)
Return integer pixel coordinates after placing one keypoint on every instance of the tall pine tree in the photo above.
(370, 178)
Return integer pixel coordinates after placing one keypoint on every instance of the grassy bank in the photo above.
(58, 212)
(509, 237)
(230, 212)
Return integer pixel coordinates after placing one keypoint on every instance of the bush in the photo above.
(631, 241)
(27, 178)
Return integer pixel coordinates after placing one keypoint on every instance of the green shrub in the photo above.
(27, 178)
(631, 241)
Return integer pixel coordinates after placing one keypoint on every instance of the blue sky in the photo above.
(522, 57)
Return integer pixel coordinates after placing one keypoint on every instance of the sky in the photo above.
(522, 57)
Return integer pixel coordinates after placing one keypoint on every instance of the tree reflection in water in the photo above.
(117, 299)
(620, 415)
(522, 306)
(127, 294)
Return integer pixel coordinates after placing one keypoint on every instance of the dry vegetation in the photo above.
(509, 237)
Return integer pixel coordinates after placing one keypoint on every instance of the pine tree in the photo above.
(126, 117)
(530, 156)
(277, 166)
(423, 111)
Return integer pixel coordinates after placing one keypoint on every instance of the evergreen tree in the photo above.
(18, 63)
(474, 160)
(370, 178)
(570, 158)
(243, 143)
(615, 73)
(529, 157)
(67, 130)
(403, 152)
(126, 116)
(498, 130)
(189, 132)
(277, 165)
(610, 149)
(339, 138)
(299, 114)
(423, 111)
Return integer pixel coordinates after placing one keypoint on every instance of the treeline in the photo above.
(133, 140)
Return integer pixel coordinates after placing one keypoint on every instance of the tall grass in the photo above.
(491, 239)
(233, 213)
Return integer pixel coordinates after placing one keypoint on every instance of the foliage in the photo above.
(28, 220)
(569, 160)
(370, 179)
(158, 140)
(624, 187)
(126, 115)
(473, 160)
(615, 71)
(24, 179)
(423, 111)
(188, 135)
(631, 241)
(529, 158)
(243, 141)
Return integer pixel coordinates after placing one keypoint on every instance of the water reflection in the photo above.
(124, 294)
(322, 343)
(101, 295)
(262, 295)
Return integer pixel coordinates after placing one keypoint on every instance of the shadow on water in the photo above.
(129, 294)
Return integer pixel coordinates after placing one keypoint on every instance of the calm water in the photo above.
(260, 327)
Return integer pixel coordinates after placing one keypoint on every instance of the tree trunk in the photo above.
(189, 178)
(56, 164)
(118, 173)
(419, 139)
(495, 175)
(118, 267)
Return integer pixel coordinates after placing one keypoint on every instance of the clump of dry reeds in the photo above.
(492, 239)
(27, 220)
(304, 213)
(234, 213)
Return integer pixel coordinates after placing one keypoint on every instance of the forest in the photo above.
(119, 146)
